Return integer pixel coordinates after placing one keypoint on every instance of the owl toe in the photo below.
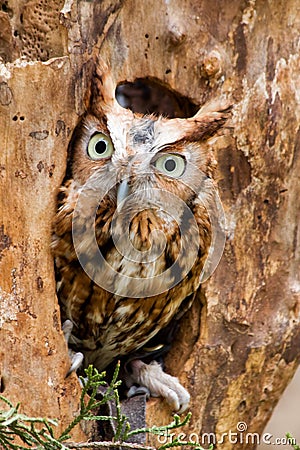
(138, 390)
(76, 357)
(160, 384)
(184, 400)
(174, 393)
(67, 328)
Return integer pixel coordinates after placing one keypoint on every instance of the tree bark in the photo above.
(238, 347)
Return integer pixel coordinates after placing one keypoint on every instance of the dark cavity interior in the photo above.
(148, 96)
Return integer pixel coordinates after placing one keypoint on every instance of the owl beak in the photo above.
(122, 192)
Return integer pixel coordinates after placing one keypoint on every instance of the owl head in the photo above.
(143, 151)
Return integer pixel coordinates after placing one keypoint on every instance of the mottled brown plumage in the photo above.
(131, 156)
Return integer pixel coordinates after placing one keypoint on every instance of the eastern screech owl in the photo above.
(133, 231)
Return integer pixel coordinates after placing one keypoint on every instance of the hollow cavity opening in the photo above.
(149, 96)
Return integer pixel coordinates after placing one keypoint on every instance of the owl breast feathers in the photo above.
(134, 225)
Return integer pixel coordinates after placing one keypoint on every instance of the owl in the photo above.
(137, 221)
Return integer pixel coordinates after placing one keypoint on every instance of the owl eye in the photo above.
(100, 146)
(171, 165)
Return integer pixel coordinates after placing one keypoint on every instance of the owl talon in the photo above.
(67, 328)
(76, 357)
(158, 383)
(76, 361)
(138, 390)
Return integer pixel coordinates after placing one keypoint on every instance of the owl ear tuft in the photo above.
(103, 88)
(209, 119)
(204, 124)
(214, 106)
(103, 84)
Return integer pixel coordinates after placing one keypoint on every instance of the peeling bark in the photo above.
(239, 346)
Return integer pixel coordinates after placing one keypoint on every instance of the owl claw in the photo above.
(76, 357)
(138, 390)
(67, 328)
(159, 383)
(76, 361)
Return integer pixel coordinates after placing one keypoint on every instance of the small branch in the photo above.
(108, 444)
(162, 430)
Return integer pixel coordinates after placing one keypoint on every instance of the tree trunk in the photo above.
(238, 347)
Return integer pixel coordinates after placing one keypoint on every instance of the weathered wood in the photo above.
(35, 127)
(239, 346)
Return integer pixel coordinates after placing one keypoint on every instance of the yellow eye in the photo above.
(100, 146)
(171, 165)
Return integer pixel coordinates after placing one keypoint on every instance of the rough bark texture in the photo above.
(37, 111)
(237, 353)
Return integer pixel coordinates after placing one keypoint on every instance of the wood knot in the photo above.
(5, 94)
(212, 65)
(176, 36)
